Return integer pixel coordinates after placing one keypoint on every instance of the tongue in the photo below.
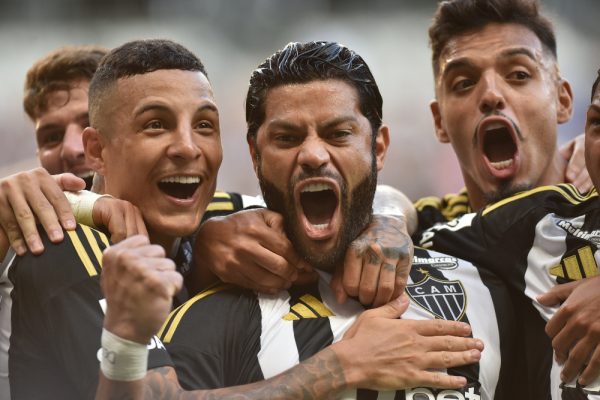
(498, 145)
(319, 206)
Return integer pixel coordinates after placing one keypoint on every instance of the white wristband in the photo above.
(122, 359)
(82, 204)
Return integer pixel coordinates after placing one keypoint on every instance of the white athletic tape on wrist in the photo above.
(82, 204)
(122, 359)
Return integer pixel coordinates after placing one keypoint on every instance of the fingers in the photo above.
(394, 309)
(337, 286)
(592, 371)
(352, 271)
(577, 358)
(583, 181)
(69, 182)
(440, 380)
(557, 294)
(558, 321)
(440, 327)
(449, 359)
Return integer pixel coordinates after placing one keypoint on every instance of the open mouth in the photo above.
(88, 177)
(319, 204)
(180, 187)
(499, 146)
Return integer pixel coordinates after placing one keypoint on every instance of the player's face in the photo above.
(58, 131)
(313, 156)
(499, 101)
(163, 149)
(592, 139)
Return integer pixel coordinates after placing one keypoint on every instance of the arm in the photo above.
(576, 173)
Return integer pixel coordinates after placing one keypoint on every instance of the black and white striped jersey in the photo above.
(228, 336)
(532, 241)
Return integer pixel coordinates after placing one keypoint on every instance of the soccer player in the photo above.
(536, 242)
(153, 115)
(317, 142)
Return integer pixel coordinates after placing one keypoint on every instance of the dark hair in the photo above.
(58, 70)
(595, 85)
(306, 62)
(139, 57)
(456, 17)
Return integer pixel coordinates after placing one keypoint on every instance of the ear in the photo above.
(253, 151)
(93, 144)
(440, 132)
(382, 141)
(564, 109)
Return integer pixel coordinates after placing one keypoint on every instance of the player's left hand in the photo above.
(576, 173)
(575, 328)
(377, 263)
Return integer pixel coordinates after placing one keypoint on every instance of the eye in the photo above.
(462, 84)
(154, 125)
(339, 135)
(286, 139)
(51, 139)
(519, 76)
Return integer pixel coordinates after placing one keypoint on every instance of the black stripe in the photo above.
(88, 248)
(366, 394)
(311, 334)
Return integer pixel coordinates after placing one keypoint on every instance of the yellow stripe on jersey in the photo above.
(574, 269)
(220, 206)
(177, 314)
(316, 305)
(560, 189)
(221, 195)
(574, 192)
(83, 256)
(431, 201)
(93, 242)
(308, 307)
(588, 262)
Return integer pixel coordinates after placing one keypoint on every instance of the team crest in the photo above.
(444, 299)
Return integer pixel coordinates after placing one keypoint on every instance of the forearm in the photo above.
(319, 377)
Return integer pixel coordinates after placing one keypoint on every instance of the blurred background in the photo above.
(233, 36)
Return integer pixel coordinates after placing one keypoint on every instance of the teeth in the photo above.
(502, 164)
(316, 187)
(87, 174)
(320, 227)
(494, 125)
(181, 179)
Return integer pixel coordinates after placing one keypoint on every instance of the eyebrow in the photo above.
(464, 62)
(595, 108)
(329, 124)
(162, 107)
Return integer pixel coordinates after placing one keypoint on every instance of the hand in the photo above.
(575, 328)
(121, 218)
(381, 352)
(377, 263)
(576, 173)
(139, 284)
(36, 194)
(249, 249)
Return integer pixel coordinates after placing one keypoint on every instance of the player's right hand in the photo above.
(33, 194)
(119, 217)
(249, 249)
(139, 284)
(382, 352)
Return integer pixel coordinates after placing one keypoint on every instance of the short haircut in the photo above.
(595, 85)
(305, 62)
(457, 17)
(59, 70)
(138, 57)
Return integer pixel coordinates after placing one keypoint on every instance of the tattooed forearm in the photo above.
(319, 377)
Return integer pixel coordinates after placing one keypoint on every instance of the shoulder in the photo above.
(210, 310)
(432, 209)
(224, 203)
(76, 258)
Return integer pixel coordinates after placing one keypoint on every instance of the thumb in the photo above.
(557, 294)
(392, 310)
(69, 182)
(273, 220)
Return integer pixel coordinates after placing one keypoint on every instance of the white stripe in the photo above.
(278, 350)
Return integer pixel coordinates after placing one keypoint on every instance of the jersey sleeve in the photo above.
(435, 210)
(214, 339)
(57, 319)
(223, 203)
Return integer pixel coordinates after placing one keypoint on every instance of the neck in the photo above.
(165, 241)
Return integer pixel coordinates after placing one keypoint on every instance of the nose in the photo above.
(492, 97)
(72, 145)
(313, 153)
(184, 145)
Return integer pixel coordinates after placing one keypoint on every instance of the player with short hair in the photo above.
(540, 241)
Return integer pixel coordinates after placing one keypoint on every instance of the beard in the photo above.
(506, 189)
(356, 210)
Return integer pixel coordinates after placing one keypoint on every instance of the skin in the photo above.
(501, 68)
(316, 127)
(58, 130)
(162, 124)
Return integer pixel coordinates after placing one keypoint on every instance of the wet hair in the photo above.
(306, 62)
(457, 17)
(595, 85)
(59, 70)
(138, 57)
